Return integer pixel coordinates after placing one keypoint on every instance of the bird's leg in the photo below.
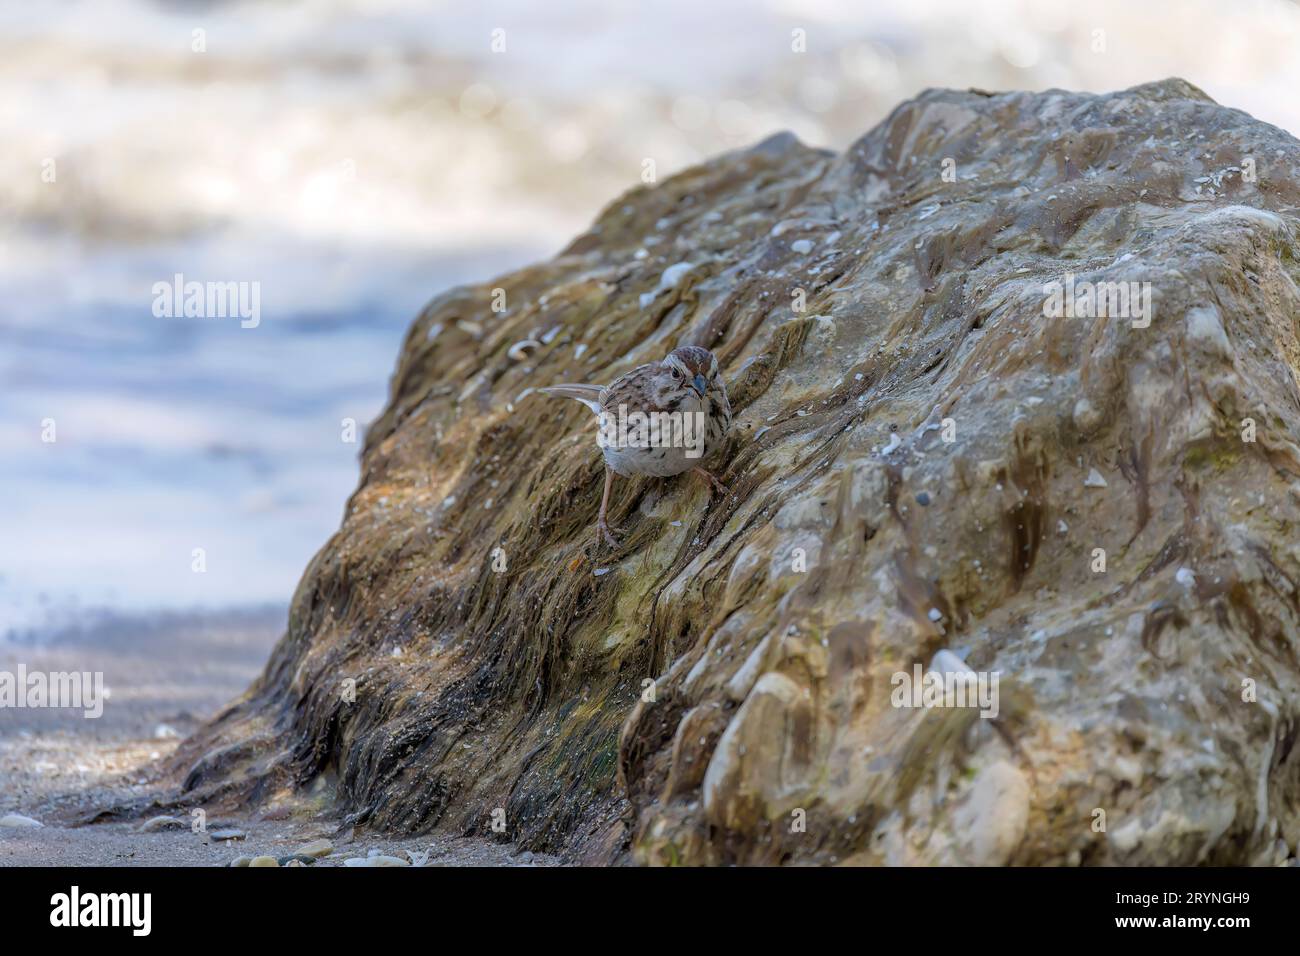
(602, 527)
(714, 481)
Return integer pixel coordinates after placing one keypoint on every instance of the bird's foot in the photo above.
(603, 533)
(714, 481)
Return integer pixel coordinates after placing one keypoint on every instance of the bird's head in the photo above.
(693, 366)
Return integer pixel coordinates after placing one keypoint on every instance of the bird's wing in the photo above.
(636, 390)
(589, 395)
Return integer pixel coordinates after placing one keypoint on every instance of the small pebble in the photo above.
(378, 860)
(316, 849)
(159, 823)
(18, 821)
(263, 861)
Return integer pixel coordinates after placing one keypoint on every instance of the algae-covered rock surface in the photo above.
(960, 442)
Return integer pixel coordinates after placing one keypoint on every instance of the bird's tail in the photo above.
(589, 395)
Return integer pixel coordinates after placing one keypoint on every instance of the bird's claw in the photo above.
(715, 483)
(603, 532)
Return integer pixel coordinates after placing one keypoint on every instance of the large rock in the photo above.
(915, 428)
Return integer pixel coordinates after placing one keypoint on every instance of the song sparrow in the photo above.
(685, 385)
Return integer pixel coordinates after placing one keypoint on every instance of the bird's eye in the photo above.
(677, 374)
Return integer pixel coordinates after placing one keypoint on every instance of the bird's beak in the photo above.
(701, 385)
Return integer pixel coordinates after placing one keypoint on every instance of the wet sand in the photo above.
(165, 674)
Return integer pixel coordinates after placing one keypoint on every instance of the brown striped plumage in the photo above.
(686, 382)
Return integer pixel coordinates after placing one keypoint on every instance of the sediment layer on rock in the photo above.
(947, 462)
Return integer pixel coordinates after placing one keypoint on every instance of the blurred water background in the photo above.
(355, 157)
